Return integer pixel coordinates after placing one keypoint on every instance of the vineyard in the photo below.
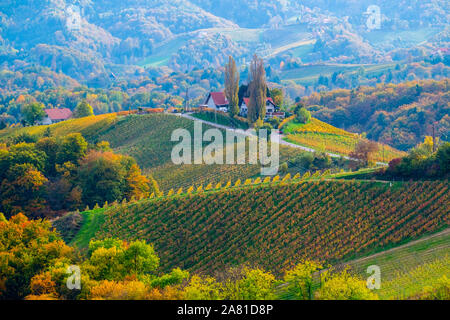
(89, 127)
(276, 225)
(322, 136)
(402, 268)
(147, 138)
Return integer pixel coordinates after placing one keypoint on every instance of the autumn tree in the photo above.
(364, 151)
(343, 286)
(23, 190)
(203, 288)
(27, 247)
(232, 86)
(257, 90)
(254, 284)
(299, 281)
(105, 176)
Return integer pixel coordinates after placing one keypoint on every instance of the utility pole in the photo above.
(434, 136)
(186, 101)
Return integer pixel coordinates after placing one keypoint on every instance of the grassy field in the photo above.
(274, 225)
(163, 52)
(322, 136)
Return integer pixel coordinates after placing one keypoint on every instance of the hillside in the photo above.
(321, 136)
(276, 225)
(406, 269)
(88, 40)
(399, 115)
(147, 139)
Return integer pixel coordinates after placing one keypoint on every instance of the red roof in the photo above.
(58, 114)
(219, 98)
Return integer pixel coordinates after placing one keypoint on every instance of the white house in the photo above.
(216, 100)
(56, 115)
(271, 109)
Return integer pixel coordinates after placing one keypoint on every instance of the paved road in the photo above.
(280, 141)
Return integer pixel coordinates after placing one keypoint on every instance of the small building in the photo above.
(216, 100)
(56, 115)
(271, 109)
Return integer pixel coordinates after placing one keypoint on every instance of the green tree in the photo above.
(302, 115)
(140, 258)
(443, 158)
(83, 109)
(33, 112)
(50, 147)
(277, 96)
(73, 147)
(232, 86)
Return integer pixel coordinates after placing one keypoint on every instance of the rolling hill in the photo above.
(147, 138)
(321, 136)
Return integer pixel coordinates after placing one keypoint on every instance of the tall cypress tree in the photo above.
(257, 90)
(232, 86)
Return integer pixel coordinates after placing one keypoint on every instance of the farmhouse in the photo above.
(56, 115)
(216, 100)
(271, 109)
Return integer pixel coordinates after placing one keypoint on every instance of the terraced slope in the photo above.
(275, 225)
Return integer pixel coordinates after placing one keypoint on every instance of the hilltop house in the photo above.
(271, 109)
(216, 100)
(56, 115)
